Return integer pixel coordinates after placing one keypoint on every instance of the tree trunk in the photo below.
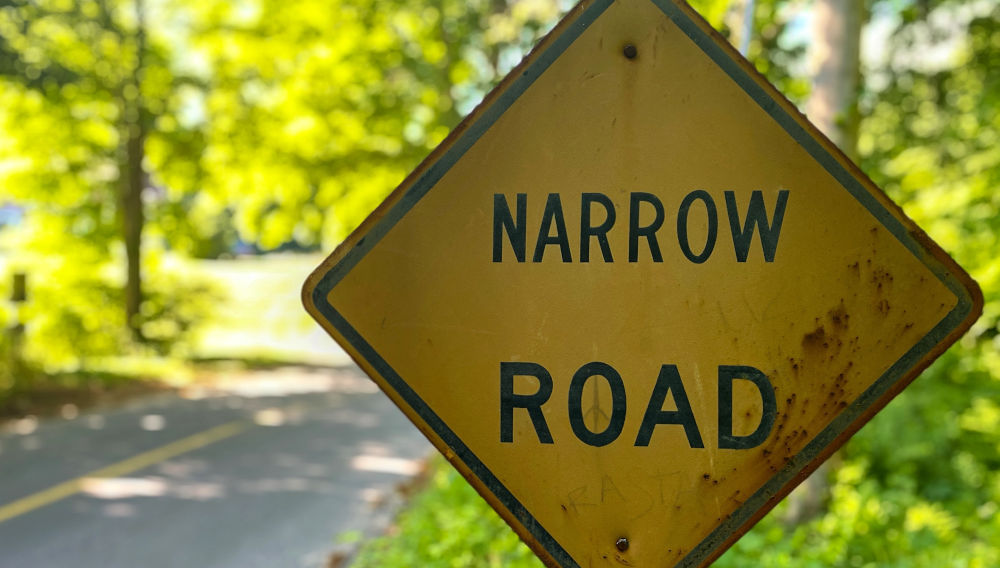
(835, 66)
(132, 222)
(132, 178)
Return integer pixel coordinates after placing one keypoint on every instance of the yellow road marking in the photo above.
(134, 463)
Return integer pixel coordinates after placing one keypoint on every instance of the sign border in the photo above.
(319, 284)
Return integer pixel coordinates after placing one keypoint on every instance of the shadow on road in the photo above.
(307, 453)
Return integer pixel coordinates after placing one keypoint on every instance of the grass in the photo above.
(259, 321)
(447, 525)
(262, 317)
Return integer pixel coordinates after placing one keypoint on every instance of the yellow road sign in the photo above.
(635, 297)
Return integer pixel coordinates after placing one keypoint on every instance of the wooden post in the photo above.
(18, 296)
(19, 293)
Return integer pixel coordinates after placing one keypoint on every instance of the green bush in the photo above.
(919, 486)
(447, 525)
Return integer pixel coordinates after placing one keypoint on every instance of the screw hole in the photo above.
(630, 51)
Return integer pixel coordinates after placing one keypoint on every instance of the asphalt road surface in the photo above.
(264, 471)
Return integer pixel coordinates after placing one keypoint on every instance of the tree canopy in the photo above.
(263, 124)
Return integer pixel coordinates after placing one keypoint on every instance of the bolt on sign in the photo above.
(635, 297)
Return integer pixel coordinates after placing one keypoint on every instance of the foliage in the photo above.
(919, 486)
(73, 310)
(73, 94)
(302, 132)
(263, 126)
(448, 525)
(772, 49)
(932, 135)
(268, 125)
(774, 52)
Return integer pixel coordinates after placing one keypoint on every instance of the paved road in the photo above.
(265, 471)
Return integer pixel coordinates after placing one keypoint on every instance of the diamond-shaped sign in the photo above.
(635, 297)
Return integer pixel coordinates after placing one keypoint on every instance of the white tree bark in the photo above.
(835, 66)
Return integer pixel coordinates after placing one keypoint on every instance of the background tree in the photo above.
(834, 66)
(84, 60)
(835, 70)
(219, 122)
(311, 116)
(82, 81)
(918, 485)
(283, 125)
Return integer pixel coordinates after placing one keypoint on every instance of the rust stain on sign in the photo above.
(638, 299)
